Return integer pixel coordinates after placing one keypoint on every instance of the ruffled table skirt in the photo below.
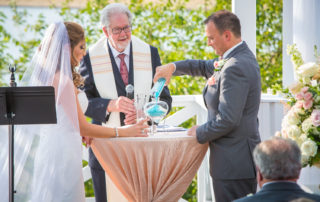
(143, 169)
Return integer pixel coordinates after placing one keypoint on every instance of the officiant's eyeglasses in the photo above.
(118, 30)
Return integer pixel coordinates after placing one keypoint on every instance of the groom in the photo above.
(232, 97)
(116, 60)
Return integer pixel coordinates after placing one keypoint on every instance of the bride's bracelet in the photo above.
(116, 130)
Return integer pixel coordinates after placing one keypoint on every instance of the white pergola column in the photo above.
(306, 27)
(287, 29)
(301, 26)
(246, 12)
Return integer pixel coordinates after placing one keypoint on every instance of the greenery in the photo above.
(269, 42)
(176, 31)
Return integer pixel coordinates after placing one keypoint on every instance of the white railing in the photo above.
(270, 116)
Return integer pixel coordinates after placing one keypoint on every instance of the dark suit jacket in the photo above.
(279, 192)
(233, 103)
(97, 105)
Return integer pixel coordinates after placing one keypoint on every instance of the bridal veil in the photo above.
(48, 158)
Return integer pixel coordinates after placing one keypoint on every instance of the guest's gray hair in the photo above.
(278, 159)
(112, 9)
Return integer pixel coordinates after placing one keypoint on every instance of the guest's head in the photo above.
(78, 48)
(223, 31)
(277, 159)
(116, 22)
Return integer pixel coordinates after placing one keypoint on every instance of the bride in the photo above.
(48, 158)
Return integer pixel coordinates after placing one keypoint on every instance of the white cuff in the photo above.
(175, 67)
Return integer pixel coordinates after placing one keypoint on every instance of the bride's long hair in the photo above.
(76, 34)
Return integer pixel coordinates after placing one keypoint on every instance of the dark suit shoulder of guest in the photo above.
(97, 105)
(279, 192)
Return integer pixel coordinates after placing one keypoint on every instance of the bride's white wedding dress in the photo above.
(48, 158)
(58, 165)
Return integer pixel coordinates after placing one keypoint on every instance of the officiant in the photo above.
(117, 59)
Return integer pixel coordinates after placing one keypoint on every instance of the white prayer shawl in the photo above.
(103, 72)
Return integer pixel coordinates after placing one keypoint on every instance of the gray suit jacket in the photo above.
(233, 103)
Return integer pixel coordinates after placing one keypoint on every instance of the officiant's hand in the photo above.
(165, 71)
(192, 131)
(122, 104)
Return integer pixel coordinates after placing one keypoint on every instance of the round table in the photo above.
(154, 168)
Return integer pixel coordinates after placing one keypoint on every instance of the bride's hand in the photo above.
(137, 130)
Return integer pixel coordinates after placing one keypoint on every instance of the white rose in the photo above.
(291, 118)
(304, 159)
(309, 148)
(303, 137)
(306, 125)
(314, 83)
(297, 111)
(295, 87)
(307, 70)
(293, 132)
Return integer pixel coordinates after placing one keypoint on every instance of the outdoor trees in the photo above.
(178, 33)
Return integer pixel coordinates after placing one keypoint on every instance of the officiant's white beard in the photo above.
(120, 46)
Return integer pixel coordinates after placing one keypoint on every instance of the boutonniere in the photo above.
(219, 64)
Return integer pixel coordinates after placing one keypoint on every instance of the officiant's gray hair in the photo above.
(278, 159)
(112, 9)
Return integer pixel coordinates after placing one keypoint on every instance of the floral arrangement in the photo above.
(217, 67)
(302, 122)
(219, 64)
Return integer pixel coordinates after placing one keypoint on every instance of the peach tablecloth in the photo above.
(156, 168)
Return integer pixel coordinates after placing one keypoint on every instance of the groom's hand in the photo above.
(192, 131)
(122, 104)
(165, 71)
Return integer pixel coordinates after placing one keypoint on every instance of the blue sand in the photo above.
(155, 111)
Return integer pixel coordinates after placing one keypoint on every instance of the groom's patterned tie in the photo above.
(123, 69)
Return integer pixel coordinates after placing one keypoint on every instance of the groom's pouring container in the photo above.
(157, 88)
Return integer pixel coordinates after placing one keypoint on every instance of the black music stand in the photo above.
(24, 105)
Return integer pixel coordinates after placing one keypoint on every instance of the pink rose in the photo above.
(216, 64)
(305, 89)
(308, 96)
(315, 116)
(307, 104)
(299, 96)
(299, 104)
